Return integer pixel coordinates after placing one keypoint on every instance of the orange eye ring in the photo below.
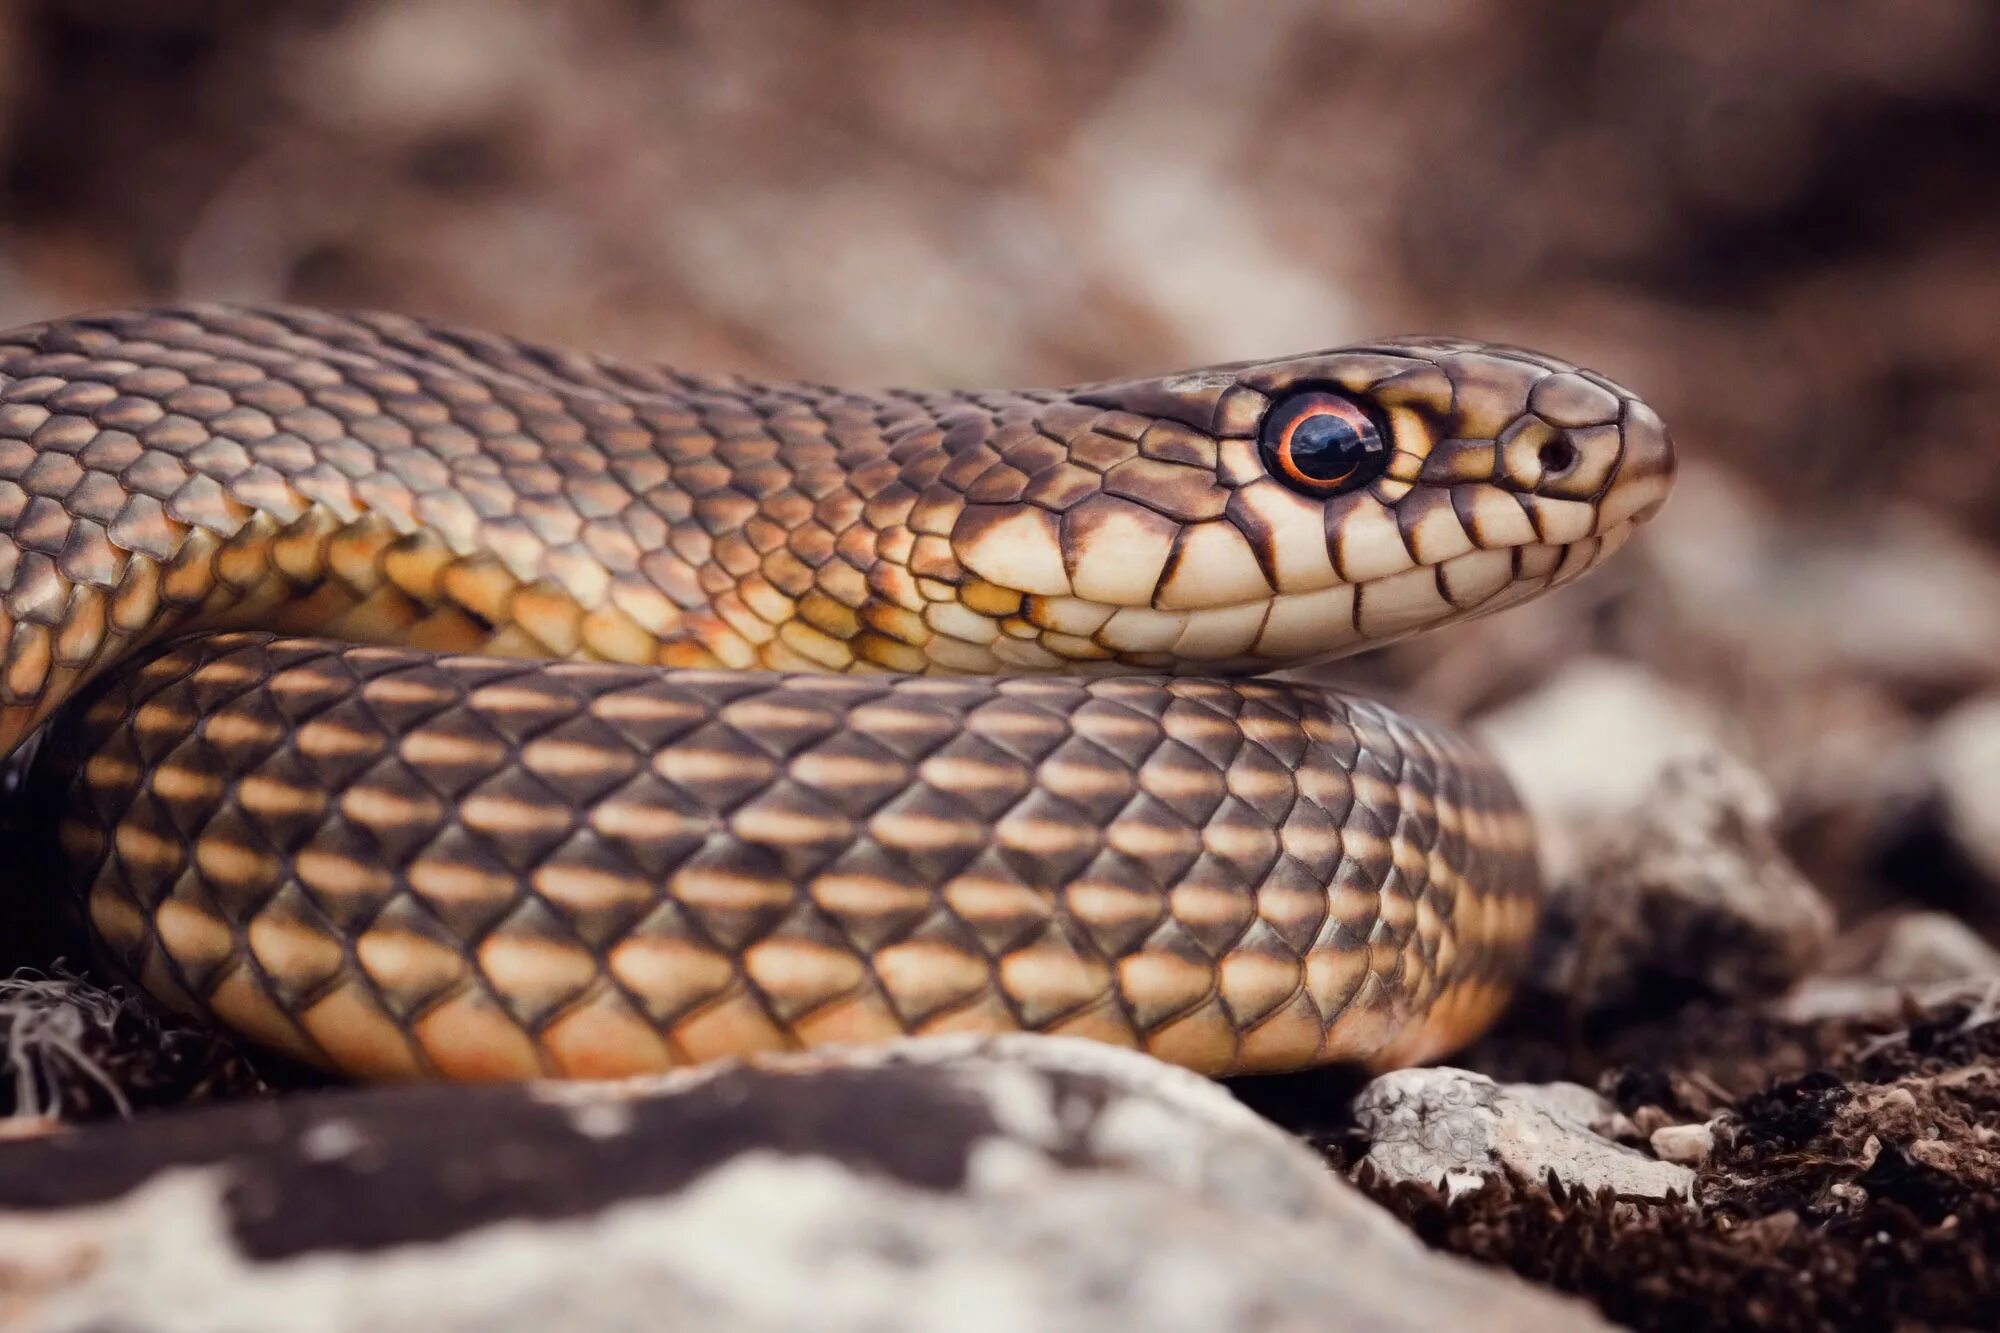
(1323, 444)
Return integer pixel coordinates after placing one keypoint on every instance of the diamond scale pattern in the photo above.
(513, 856)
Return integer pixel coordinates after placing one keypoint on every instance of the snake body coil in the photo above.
(400, 848)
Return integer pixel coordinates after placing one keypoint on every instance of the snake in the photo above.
(423, 703)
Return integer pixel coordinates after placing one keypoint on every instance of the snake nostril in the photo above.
(1558, 457)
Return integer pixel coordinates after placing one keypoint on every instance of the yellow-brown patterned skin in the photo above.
(421, 860)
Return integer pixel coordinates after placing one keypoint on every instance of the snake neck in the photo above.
(377, 480)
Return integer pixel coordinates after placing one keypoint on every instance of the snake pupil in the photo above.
(1325, 447)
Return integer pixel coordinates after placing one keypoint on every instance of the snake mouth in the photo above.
(1474, 584)
(1290, 629)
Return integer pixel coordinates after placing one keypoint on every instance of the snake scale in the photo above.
(875, 714)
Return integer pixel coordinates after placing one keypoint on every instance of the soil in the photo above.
(1855, 1181)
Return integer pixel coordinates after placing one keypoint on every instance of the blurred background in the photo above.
(1780, 222)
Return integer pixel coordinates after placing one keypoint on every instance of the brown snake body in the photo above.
(910, 712)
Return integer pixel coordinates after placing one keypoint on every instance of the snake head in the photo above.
(1270, 513)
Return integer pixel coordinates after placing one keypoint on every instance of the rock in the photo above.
(1783, 588)
(1928, 957)
(1919, 948)
(1011, 1183)
(1965, 768)
(1683, 1145)
(1578, 1105)
(1691, 889)
(1590, 743)
(1456, 1129)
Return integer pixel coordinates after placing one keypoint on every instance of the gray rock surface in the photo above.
(1780, 589)
(1925, 957)
(1457, 1129)
(1965, 771)
(1589, 745)
(1691, 888)
(1921, 948)
(1014, 1183)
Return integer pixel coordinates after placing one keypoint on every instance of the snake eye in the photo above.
(1322, 444)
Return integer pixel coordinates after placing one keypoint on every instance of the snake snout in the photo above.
(1585, 439)
(1644, 473)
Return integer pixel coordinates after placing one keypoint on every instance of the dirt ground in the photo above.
(1778, 222)
(1856, 1182)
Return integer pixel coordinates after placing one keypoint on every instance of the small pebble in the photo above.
(1683, 1145)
